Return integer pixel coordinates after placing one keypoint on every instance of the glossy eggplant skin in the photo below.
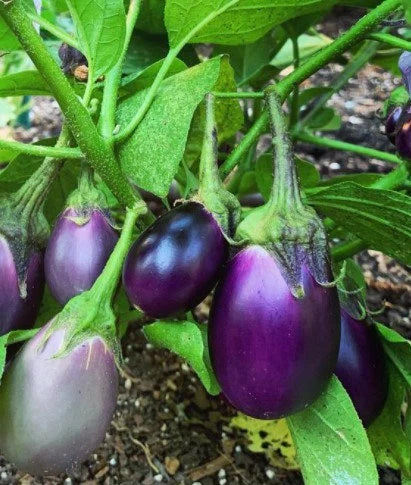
(54, 412)
(176, 262)
(76, 254)
(17, 313)
(403, 140)
(391, 123)
(272, 354)
(361, 367)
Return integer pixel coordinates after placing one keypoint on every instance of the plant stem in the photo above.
(345, 146)
(172, 54)
(77, 117)
(239, 94)
(285, 193)
(113, 78)
(348, 249)
(208, 172)
(391, 40)
(54, 30)
(106, 284)
(41, 150)
(309, 67)
(294, 109)
(364, 54)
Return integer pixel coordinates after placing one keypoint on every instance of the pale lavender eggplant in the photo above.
(54, 412)
(176, 262)
(361, 367)
(76, 254)
(18, 313)
(272, 354)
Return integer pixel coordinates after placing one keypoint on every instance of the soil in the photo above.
(166, 428)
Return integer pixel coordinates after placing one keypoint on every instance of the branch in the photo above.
(391, 40)
(309, 67)
(347, 147)
(77, 118)
(41, 150)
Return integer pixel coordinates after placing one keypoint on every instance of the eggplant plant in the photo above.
(177, 94)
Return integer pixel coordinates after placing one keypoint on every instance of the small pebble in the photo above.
(354, 120)
(3, 475)
(335, 166)
(113, 462)
(149, 346)
(196, 483)
(137, 403)
(221, 473)
(67, 481)
(158, 478)
(222, 481)
(127, 384)
(185, 368)
(270, 473)
(238, 449)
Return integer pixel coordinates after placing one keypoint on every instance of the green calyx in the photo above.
(22, 221)
(86, 197)
(90, 314)
(287, 228)
(212, 194)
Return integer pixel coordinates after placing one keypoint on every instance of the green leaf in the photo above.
(326, 120)
(390, 444)
(307, 174)
(243, 21)
(151, 156)
(101, 29)
(151, 16)
(189, 341)
(308, 44)
(379, 217)
(143, 51)
(364, 179)
(398, 350)
(228, 115)
(143, 79)
(398, 97)
(249, 60)
(331, 443)
(23, 83)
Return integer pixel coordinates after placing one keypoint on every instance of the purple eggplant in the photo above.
(361, 367)
(403, 140)
(176, 262)
(55, 411)
(78, 249)
(391, 123)
(405, 67)
(19, 306)
(272, 353)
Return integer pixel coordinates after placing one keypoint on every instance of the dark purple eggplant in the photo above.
(176, 262)
(403, 140)
(19, 305)
(391, 123)
(55, 411)
(272, 353)
(78, 249)
(361, 367)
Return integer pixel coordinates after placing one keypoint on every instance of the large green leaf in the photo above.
(380, 217)
(143, 79)
(242, 22)
(332, 446)
(23, 83)
(389, 443)
(398, 350)
(188, 340)
(101, 29)
(151, 155)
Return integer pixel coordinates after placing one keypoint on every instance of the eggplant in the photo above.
(176, 262)
(403, 140)
(361, 367)
(273, 353)
(19, 306)
(391, 123)
(78, 249)
(55, 410)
